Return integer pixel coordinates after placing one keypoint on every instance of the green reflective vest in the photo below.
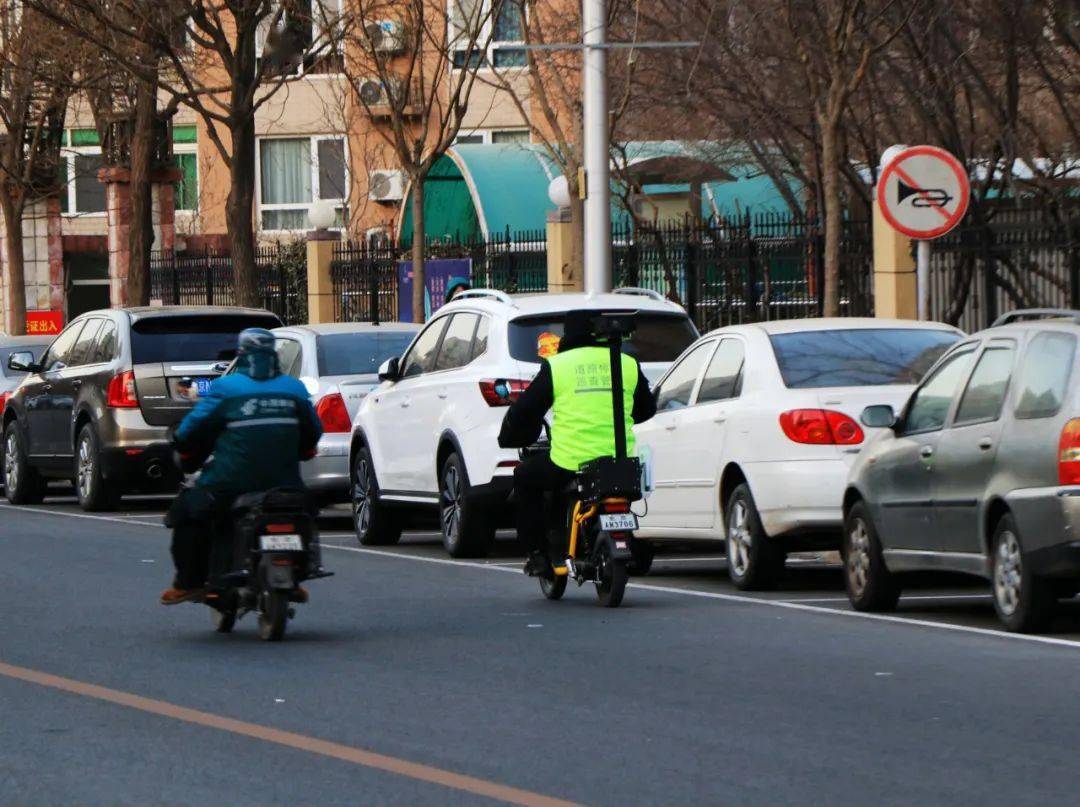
(583, 427)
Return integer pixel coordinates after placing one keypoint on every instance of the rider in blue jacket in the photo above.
(259, 425)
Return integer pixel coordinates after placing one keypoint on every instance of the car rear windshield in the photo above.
(862, 357)
(656, 338)
(5, 353)
(359, 353)
(196, 337)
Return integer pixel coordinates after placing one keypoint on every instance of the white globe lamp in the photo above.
(322, 215)
(559, 192)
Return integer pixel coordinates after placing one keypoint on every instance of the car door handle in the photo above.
(719, 419)
(76, 383)
(926, 451)
(443, 395)
(48, 387)
(986, 444)
(405, 402)
(672, 426)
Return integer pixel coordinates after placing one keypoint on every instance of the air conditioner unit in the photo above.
(386, 185)
(385, 36)
(375, 93)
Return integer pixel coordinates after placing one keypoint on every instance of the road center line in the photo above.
(301, 742)
(686, 592)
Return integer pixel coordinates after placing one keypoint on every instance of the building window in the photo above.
(305, 26)
(296, 171)
(186, 193)
(471, 20)
(80, 161)
(493, 136)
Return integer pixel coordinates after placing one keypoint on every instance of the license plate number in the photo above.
(281, 543)
(618, 522)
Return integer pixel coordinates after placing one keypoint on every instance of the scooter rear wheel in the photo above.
(553, 585)
(612, 576)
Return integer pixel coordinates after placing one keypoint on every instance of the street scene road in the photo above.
(413, 678)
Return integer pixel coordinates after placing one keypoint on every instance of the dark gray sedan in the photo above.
(980, 473)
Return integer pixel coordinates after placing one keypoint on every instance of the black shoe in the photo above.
(537, 565)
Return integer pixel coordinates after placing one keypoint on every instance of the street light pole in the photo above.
(597, 148)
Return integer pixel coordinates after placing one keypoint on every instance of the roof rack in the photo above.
(501, 296)
(640, 292)
(1036, 313)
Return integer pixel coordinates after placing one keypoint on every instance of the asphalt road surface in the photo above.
(413, 679)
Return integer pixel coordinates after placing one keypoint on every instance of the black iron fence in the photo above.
(364, 282)
(1018, 257)
(206, 278)
(762, 267)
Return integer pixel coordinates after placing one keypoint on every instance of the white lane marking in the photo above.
(686, 592)
(46, 511)
(903, 598)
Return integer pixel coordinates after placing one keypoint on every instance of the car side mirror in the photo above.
(879, 416)
(22, 361)
(389, 370)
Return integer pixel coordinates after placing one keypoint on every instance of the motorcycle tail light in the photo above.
(280, 528)
(121, 391)
(502, 391)
(1069, 454)
(334, 414)
(4, 396)
(615, 506)
(820, 427)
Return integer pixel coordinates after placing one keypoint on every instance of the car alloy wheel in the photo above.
(362, 497)
(858, 556)
(11, 461)
(84, 469)
(451, 503)
(739, 538)
(1008, 573)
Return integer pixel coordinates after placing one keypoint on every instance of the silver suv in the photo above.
(980, 473)
(97, 406)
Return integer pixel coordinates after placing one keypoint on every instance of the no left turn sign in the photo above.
(923, 192)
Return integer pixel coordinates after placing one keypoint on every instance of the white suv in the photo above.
(427, 438)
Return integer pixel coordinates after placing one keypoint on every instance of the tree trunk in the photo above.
(141, 234)
(833, 215)
(418, 236)
(239, 210)
(15, 321)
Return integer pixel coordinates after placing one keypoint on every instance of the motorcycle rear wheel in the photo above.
(612, 577)
(224, 621)
(273, 614)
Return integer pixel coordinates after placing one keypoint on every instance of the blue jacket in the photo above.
(258, 430)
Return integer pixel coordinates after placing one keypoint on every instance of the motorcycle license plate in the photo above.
(281, 543)
(618, 522)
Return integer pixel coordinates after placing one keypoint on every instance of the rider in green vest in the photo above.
(575, 385)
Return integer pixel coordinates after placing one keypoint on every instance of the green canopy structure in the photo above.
(476, 191)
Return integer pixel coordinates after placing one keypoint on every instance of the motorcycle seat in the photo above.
(277, 499)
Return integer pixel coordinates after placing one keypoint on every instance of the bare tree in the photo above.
(35, 85)
(224, 59)
(413, 98)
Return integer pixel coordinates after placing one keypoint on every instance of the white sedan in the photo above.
(757, 427)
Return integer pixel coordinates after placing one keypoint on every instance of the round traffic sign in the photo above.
(923, 192)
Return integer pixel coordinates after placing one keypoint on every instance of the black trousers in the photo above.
(202, 536)
(541, 508)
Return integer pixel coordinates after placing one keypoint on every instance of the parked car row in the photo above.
(907, 446)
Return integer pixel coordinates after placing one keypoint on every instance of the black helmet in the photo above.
(254, 340)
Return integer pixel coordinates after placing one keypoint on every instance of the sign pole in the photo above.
(597, 149)
(922, 278)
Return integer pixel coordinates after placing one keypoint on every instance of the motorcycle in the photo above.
(597, 542)
(261, 551)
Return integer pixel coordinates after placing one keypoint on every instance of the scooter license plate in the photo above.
(281, 543)
(618, 522)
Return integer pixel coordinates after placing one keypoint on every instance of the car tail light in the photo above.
(1069, 454)
(820, 427)
(333, 413)
(121, 391)
(4, 396)
(502, 391)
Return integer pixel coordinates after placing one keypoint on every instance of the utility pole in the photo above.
(597, 148)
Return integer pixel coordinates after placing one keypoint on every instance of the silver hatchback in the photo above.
(980, 473)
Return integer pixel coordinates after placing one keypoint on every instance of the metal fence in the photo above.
(364, 282)
(762, 267)
(206, 278)
(1019, 257)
